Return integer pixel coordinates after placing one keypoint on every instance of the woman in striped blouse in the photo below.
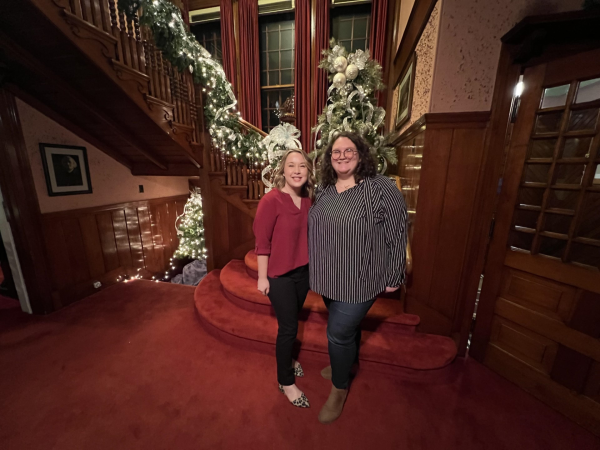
(357, 250)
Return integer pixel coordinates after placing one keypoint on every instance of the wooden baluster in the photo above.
(229, 180)
(104, 16)
(141, 49)
(155, 74)
(174, 95)
(249, 181)
(86, 8)
(132, 44)
(147, 64)
(234, 180)
(185, 95)
(160, 88)
(96, 17)
(239, 174)
(213, 165)
(114, 26)
(124, 40)
(245, 175)
(76, 8)
(261, 185)
(165, 76)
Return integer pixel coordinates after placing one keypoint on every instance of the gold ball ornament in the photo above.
(339, 80)
(340, 63)
(351, 71)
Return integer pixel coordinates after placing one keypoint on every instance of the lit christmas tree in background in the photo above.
(190, 229)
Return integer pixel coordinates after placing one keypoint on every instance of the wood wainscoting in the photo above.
(99, 244)
(440, 160)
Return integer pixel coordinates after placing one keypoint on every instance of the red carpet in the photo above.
(132, 368)
(233, 310)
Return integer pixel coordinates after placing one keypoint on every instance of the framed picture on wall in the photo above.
(66, 169)
(405, 92)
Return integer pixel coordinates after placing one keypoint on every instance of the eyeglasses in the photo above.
(348, 153)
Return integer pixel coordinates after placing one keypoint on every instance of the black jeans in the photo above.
(287, 294)
(343, 334)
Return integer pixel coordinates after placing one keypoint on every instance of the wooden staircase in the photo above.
(85, 65)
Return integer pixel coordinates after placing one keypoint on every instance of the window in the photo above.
(276, 65)
(351, 26)
(209, 36)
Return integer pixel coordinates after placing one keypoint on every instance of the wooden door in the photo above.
(539, 315)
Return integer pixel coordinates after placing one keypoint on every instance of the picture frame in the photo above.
(404, 92)
(66, 169)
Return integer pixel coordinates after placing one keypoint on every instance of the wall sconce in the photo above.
(516, 102)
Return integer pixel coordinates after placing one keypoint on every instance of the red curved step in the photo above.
(241, 290)
(380, 350)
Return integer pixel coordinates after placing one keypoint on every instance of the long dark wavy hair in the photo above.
(366, 163)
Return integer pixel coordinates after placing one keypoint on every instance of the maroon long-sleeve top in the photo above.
(281, 232)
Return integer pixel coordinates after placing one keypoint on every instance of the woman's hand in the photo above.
(263, 286)
(391, 289)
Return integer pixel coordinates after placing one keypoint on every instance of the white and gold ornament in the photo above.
(351, 71)
(340, 63)
(339, 80)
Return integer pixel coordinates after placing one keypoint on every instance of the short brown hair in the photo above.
(366, 168)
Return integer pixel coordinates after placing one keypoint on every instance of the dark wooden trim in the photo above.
(172, 170)
(114, 206)
(507, 77)
(417, 21)
(21, 202)
(471, 119)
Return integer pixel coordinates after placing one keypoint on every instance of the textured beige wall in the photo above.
(111, 181)
(469, 48)
(426, 58)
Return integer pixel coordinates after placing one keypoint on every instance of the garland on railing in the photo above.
(181, 49)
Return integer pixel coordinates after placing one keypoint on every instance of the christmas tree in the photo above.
(355, 79)
(190, 229)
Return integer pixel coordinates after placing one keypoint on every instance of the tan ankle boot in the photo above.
(326, 373)
(332, 409)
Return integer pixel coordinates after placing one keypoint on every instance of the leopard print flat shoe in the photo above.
(298, 370)
(301, 402)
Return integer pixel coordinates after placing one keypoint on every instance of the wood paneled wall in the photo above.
(439, 288)
(99, 244)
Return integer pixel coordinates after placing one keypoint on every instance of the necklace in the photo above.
(345, 186)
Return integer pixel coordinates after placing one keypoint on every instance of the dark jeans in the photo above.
(343, 334)
(287, 294)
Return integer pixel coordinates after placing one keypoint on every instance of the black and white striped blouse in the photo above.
(357, 240)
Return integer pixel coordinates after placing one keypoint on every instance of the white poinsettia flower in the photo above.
(359, 58)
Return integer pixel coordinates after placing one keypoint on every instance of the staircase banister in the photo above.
(247, 125)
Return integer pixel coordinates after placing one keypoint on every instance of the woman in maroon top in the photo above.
(281, 232)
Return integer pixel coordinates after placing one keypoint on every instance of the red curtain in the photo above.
(321, 43)
(378, 35)
(249, 96)
(228, 41)
(302, 68)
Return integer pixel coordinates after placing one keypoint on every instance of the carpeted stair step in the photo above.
(386, 314)
(380, 350)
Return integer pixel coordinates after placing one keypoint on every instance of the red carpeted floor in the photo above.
(132, 368)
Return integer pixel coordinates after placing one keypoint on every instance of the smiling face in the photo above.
(344, 156)
(295, 170)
